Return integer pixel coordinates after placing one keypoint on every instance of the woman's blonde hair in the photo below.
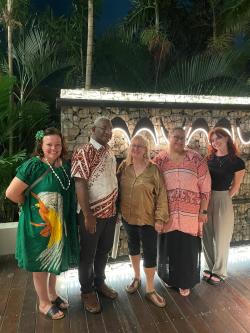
(141, 140)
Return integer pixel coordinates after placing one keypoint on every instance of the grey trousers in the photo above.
(218, 232)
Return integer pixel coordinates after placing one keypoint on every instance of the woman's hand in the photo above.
(202, 218)
(158, 226)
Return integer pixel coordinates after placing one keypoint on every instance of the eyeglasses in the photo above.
(105, 129)
(179, 138)
(137, 146)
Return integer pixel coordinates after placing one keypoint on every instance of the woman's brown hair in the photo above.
(220, 132)
(50, 131)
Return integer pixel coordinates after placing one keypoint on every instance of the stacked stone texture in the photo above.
(77, 123)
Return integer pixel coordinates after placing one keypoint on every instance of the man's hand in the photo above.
(90, 223)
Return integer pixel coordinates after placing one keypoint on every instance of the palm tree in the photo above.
(89, 58)
(144, 19)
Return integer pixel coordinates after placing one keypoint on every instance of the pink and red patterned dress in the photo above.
(186, 183)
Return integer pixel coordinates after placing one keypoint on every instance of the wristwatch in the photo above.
(203, 212)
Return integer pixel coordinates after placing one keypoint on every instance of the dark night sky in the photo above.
(112, 10)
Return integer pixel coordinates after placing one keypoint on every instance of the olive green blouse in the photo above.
(143, 198)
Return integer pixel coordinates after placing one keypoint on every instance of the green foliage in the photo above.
(205, 74)
(35, 59)
(120, 64)
(8, 165)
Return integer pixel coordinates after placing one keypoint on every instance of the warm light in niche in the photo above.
(241, 139)
(188, 132)
(231, 134)
(150, 132)
(195, 131)
(163, 134)
(118, 129)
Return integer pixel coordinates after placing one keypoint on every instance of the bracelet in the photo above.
(203, 212)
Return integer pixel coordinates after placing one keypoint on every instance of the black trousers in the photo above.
(145, 235)
(179, 259)
(94, 249)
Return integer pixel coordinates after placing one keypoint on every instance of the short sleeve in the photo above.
(80, 164)
(159, 159)
(28, 171)
(239, 165)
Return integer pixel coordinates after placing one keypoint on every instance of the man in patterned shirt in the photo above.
(94, 169)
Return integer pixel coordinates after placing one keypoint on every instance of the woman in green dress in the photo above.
(47, 242)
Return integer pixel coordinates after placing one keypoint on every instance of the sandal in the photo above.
(133, 286)
(60, 303)
(184, 292)
(52, 312)
(156, 299)
(207, 276)
(213, 282)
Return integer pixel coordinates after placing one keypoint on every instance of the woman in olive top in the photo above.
(144, 212)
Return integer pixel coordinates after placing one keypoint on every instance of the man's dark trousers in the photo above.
(94, 252)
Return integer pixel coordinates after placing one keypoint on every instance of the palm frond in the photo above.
(205, 74)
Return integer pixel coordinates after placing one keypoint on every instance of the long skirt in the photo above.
(179, 259)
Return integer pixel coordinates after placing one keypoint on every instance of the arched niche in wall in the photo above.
(164, 131)
(120, 138)
(146, 127)
(120, 125)
(196, 134)
(226, 125)
(243, 135)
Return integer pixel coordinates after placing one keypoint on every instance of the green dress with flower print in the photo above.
(47, 239)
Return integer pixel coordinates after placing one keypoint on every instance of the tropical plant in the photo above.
(35, 60)
(121, 64)
(144, 22)
(206, 74)
(8, 163)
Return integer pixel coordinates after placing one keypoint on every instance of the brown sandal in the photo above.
(156, 299)
(133, 286)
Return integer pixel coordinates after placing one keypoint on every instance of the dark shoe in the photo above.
(133, 286)
(156, 299)
(60, 303)
(91, 302)
(204, 277)
(106, 291)
(52, 312)
(213, 282)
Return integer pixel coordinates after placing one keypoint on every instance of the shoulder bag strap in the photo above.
(37, 181)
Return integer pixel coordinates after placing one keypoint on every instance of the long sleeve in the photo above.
(161, 201)
(204, 179)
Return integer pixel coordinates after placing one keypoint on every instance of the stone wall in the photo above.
(77, 123)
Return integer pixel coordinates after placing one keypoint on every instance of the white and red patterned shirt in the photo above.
(97, 165)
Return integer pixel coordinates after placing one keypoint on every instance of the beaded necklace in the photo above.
(58, 178)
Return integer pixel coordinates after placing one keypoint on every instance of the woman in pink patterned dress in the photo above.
(188, 184)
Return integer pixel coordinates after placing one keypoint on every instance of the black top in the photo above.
(222, 170)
